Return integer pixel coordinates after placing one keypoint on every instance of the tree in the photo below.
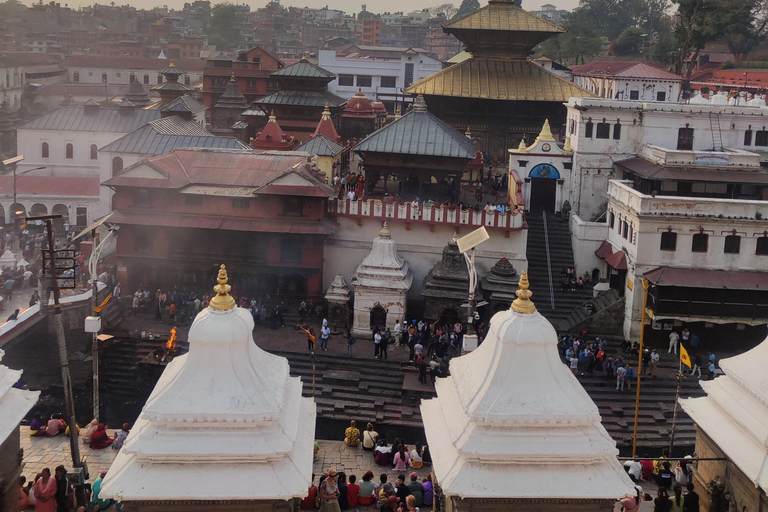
(630, 41)
(467, 7)
(746, 26)
(447, 10)
(223, 28)
(664, 49)
(697, 23)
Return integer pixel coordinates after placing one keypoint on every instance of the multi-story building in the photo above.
(628, 80)
(251, 70)
(11, 80)
(551, 13)
(98, 69)
(371, 31)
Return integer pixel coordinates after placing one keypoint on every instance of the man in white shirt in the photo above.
(398, 332)
(635, 470)
(351, 195)
(418, 348)
(674, 338)
(621, 373)
(654, 362)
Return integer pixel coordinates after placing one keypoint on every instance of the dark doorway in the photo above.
(543, 194)
(378, 317)
(617, 280)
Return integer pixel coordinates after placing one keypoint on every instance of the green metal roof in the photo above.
(303, 69)
(321, 146)
(302, 98)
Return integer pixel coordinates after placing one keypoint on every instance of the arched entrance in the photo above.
(544, 180)
(18, 211)
(60, 209)
(378, 317)
(38, 210)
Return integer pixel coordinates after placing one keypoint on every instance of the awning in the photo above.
(617, 260)
(649, 170)
(605, 250)
(176, 220)
(704, 278)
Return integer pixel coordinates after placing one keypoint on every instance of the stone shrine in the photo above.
(338, 296)
(225, 428)
(513, 429)
(500, 285)
(446, 287)
(381, 284)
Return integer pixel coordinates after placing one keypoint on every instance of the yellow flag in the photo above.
(98, 308)
(684, 357)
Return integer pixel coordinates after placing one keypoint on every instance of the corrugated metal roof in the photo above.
(625, 69)
(164, 135)
(649, 170)
(50, 186)
(498, 80)
(503, 15)
(303, 69)
(181, 104)
(705, 278)
(321, 146)
(172, 86)
(419, 133)
(302, 98)
(75, 119)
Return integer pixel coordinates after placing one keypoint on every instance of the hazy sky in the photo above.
(345, 5)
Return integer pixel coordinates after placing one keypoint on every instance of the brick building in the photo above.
(251, 70)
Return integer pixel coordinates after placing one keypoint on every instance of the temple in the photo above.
(272, 137)
(446, 286)
(497, 91)
(512, 428)
(228, 410)
(229, 108)
(500, 284)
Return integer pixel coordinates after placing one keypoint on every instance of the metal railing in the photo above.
(549, 261)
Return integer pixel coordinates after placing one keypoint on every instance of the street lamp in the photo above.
(13, 161)
(468, 243)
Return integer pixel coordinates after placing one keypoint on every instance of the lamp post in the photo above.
(13, 161)
(466, 244)
(646, 285)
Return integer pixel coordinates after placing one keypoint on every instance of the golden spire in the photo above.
(397, 113)
(272, 118)
(326, 113)
(232, 78)
(521, 148)
(385, 232)
(567, 149)
(222, 301)
(523, 304)
(546, 133)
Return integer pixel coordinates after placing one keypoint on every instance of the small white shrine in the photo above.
(381, 284)
(225, 428)
(512, 428)
(338, 293)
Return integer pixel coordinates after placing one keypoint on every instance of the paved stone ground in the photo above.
(49, 452)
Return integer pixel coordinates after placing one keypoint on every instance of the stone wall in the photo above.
(10, 469)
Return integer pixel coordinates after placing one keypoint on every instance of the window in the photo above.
(131, 78)
(347, 80)
(668, 241)
(624, 229)
(82, 216)
(603, 131)
(588, 129)
(616, 131)
(159, 79)
(44, 150)
(141, 198)
(186, 80)
(389, 81)
(292, 207)
(146, 79)
(748, 138)
(612, 217)
(732, 244)
(571, 127)
(193, 200)
(103, 78)
(761, 138)
(241, 203)
(634, 95)
(69, 152)
(685, 139)
(700, 242)
(408, 74)
(661, 96)
(290, 249)
(75, 77)
(117, 165)
(631, 233)
(364, 80)
(762, 246)
(94, 152)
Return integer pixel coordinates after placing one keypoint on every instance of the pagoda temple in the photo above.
(513, 429)
(225, 428)
(446, 286)
(503, 96)
(358, 118)
(381, 284)
(332, 156)
(137, 94)
(272, 137)
(229, 108)
(171, 88)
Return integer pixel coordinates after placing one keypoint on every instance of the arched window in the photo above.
(70, 151)
(117, 165)
(44, 150)
(94, 152)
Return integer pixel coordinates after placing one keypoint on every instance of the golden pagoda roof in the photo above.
(503, 15)
(498, 80)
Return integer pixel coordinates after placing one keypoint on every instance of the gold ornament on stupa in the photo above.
(523, 304)
(223, 300)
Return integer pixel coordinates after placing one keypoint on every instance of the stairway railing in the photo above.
(549, 261)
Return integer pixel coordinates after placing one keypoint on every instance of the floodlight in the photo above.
(13, 160)
(472, 240)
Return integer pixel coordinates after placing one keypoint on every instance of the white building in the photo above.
(628, 80)
(97, 69)
(11, 81)
(377, 75)
(552, 13)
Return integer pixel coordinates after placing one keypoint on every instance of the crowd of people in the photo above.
(669, 480)
(59, 493)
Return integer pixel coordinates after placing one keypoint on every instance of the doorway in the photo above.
(543, 193)
(378, 317)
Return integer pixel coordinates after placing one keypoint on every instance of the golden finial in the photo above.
(521, 148)
(523, 304)
(272, 118)
(223, 300)
(397, 113)
(172, 65)
(546, 133)
(232, 78)
(385, 232)
(567, 149)
(455, 236)
(468, 133)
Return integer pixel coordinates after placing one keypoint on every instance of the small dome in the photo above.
(359, 106)
(721, 98)
(698, 99)
(379, 107)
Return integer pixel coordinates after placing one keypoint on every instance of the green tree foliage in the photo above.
(467, 7)
(631, 41)
(580, 42)
(746, 25)
(224, 26)
(700, 22)
(664, 48)
(12, 9)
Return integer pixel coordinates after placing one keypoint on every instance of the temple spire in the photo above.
(223, 300)
(523, 304)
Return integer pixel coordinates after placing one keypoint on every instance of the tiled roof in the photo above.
(51, 186)
(302, 98)
(503, 15)
(303, 69)
(164, 135)
(626, 69)
(321, 146)
(498, 80)
(419, 133)
(76, 119)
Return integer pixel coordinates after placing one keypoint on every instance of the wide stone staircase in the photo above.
(556, 304)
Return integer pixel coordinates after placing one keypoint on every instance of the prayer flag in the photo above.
(684, 357)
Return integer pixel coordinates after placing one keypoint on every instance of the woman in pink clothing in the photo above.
(45, 492)
(401, 459)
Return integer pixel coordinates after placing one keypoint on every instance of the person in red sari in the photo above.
(100, 439)
(45, 492)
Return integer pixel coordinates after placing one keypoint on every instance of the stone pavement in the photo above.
(49, 452)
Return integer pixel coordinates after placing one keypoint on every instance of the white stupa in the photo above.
(225, 421)
(382, 280)
(734, 414)
(14, 403)
(513, 423)
(338, 293)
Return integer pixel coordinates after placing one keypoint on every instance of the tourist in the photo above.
(56, 425)
(366, 490)
(654, 363)
(677, 499)
(342, 483)
(63, 490)
(674, 339)
(100, 438)
(658, 464)
(353, 492)
(14, 316)
(398, 332)
(631, 502)
(421, 366)
(411, 504)
(382, 454)
(662, 503)
(621, 374)
(428, 490)
(45, 492)
(691, 501)
(401, 490)
(400, 461)
(120, 437)
(98, 503)
(352, 434)
(379, 486)
(648, 469)
(329, 493)
(664, 477)
(385, 340)
(635, 470)
(88, 431)
(416, 461)
(416, 489)
(23, 501)
(34, 299)
(369, 438)
(350, 341)
(629, 376)
(418, 348)
(376, 342)
(696, 365)
(325, 333)
(310, 501)
(390, 505)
